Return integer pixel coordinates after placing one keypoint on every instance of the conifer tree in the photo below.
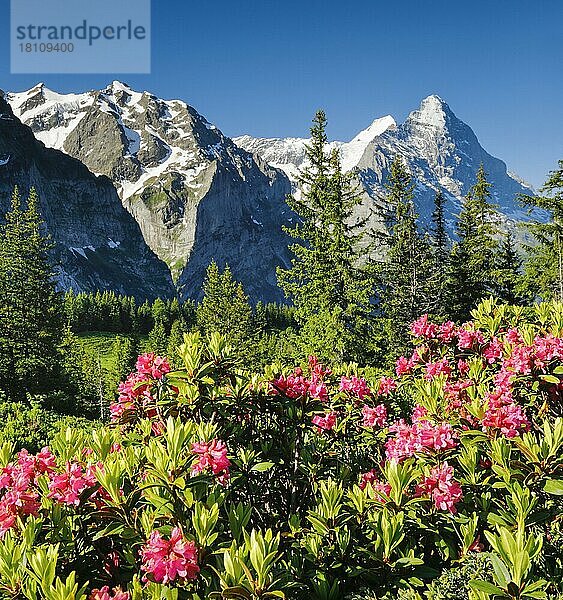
(176, 338)
(330, 279)
(440, 250)
(544, 267)
(507, 272)
(30, 308)
(158, 340)
(225, 307)
(472, 258)
(406, 275)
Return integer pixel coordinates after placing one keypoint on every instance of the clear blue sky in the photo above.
(264, 66)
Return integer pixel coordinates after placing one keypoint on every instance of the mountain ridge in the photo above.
(197, 195)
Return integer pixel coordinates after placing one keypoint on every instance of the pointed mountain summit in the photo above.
(441, 151)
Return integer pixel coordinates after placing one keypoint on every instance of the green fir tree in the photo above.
(405, 284)
(543, 271)
(330, 281)
(441, 252)
(507, 274)
(472, 258)
(30, 308)
(225, 308)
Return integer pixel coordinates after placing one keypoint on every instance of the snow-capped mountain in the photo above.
(195, 194)
(440, 150)
(97, 243)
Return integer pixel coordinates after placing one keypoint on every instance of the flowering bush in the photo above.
(317, 482)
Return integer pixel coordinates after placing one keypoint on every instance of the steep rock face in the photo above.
(440, 150)
(98, 245)
(195, 194)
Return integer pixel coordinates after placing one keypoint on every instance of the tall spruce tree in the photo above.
(225, 308)
(30, 308)
(440, 252)
(406, 276)
(331, 280)
(507, 277)
(472, 259)
(544, 267)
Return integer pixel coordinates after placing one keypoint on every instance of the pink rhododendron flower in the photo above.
(370, 478)
(456, 392)
(506, 416)
(325, 422)
(317, 389)
(296, 385)
(366, 478)
(545, 349)
(462, 367)
(520, 360)
(442, 488)
(135, 391)
(317, 368)
(468, 338)
(418, 413)
(293, 386)
(68, 486)
(514, 337)
(419, 438)
(386, 386)
(152, 366)
(165, 561)
(422, 328)
(356, 386)
(493, 350)
(417, 355)
(447, 332)
(403, 366)
(440, 367)
(106, 594)
(374, 417)
(211, 456)
(18, 481)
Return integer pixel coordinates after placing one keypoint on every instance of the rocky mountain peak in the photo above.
(432, 111)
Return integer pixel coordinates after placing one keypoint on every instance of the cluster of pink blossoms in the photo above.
(211, 456)
(135, 391)
(434, 369)
(326, 422)
(506, 351)
(68, 486)
(374, 417)
(297, 385)
(165, 560)
(18, 482)
(447, 332)
(357, 386)
(21, 495)
(106, 593)
(441, 487)
(419, 438)
(505, 415)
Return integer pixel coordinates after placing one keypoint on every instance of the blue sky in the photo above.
(263, 67)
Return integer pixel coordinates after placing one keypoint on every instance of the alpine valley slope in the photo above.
(97, 243)
(441, 151)
(195, 194)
